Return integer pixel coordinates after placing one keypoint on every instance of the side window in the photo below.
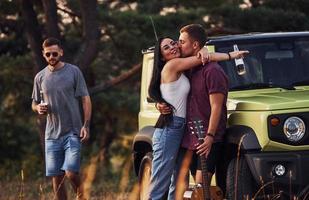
(253, 62)
(302, 48)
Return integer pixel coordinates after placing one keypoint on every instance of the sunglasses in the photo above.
(54, 54)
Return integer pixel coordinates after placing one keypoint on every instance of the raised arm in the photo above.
(216, 56)
(182, 64)
(227, 56)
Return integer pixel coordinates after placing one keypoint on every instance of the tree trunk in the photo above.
(33, 33)
(50, 10)
(91, 33)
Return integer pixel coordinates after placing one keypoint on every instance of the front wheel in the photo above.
(239, 180)
(144, 175)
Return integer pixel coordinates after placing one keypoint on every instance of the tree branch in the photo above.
(69, 12)
(122, 77)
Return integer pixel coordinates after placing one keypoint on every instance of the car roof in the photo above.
(246, 37)
(256, 36)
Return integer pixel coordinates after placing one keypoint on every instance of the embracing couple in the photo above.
(187, 83)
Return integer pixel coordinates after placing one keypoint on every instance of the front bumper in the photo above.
(296, 164)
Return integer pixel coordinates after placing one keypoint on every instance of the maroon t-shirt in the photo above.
(205, 80)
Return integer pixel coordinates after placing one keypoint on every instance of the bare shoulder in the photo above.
(168, 73)
(172, 65)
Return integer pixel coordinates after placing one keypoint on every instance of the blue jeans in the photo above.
(174, 179)
(166, 143)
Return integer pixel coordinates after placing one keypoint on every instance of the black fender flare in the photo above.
(235, 134)
(232, 138)
(144, 135)
(142, 144)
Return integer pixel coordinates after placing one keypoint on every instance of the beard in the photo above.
(53, 62)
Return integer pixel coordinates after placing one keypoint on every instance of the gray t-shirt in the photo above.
(61, 90)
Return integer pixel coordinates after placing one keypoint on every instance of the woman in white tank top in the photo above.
(169, 85)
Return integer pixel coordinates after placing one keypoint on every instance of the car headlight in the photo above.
(294, 129)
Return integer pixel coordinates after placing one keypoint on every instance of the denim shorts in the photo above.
(63, 154)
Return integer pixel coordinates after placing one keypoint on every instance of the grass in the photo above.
(110, 178)
(107, 185)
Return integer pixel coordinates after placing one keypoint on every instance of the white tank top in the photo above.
(175, 93)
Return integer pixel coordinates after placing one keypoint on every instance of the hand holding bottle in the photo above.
(239, 62)
(42, 108)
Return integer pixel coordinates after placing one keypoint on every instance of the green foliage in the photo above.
(8, 7)
(118, 102)
(295, 5)
(261, 19)
(11, 26)
(150, 7)
(19, 140)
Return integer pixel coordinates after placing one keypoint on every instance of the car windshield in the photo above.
(279, 63)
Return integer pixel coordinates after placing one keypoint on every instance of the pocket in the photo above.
(74, 141)
(158, 142)
(52, 145)
(176, 125)
(157, 135)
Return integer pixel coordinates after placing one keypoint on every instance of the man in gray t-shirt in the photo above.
(56, 93)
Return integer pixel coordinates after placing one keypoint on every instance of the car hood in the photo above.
(278, 99)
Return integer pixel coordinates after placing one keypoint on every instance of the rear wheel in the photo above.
(239, 180)
(144, 176)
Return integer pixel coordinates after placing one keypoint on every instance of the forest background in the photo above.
(104, 38)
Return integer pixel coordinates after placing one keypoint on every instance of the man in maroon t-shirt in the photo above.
(206, 101)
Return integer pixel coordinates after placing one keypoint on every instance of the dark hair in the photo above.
(50, 42)
(154, 86)
(196, 32)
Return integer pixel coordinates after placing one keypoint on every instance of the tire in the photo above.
(144, 175)
(244, 184)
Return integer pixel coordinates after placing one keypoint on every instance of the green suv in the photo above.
(267, 139)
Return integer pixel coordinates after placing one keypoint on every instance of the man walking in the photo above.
(56, 93)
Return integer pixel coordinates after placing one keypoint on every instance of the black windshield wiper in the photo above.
(252, 86)
(303, 82)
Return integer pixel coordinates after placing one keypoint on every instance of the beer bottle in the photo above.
(239, 62)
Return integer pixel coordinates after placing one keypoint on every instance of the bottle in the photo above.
(41, 97)
(239, 62)
(42, 102)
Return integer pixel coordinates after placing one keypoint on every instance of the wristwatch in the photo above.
(210, 134)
